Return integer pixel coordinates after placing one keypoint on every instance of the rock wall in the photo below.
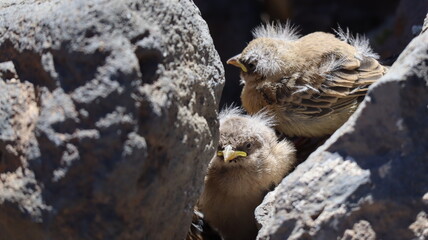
(108, 117)
(369, 180)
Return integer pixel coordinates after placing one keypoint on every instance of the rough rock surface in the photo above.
(369, 180)
(108, 117)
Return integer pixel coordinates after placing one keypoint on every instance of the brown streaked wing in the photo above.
(342, 89)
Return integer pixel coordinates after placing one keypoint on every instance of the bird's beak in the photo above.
(229, 154)
(235, 62)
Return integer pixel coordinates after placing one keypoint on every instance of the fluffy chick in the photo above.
(250, 161)
(312, 84)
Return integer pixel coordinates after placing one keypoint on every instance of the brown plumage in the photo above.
(311, 84)
(249, 163)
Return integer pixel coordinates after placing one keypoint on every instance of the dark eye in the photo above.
(251, 67)
(248, 146)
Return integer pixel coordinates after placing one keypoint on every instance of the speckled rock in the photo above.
(108, 117)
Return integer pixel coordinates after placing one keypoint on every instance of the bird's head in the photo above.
(244, 140)
(261, 58)
(265, 56)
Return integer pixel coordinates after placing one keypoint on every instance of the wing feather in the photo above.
(341, 88)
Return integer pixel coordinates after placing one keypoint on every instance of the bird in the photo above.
(311, 84)
(250, 162)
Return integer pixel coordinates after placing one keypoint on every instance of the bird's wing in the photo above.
(368, 72)
(344, 86)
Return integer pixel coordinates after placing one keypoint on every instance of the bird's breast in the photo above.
(252, 100)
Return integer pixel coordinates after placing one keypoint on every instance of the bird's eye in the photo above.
(251, 67)
(248, 146)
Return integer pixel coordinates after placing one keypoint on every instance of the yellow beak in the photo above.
(229, 154)
(235, 62)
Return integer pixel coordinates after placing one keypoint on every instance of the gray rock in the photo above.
(420, 226)
(360, 231)
(108, 117)
(369, 180)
